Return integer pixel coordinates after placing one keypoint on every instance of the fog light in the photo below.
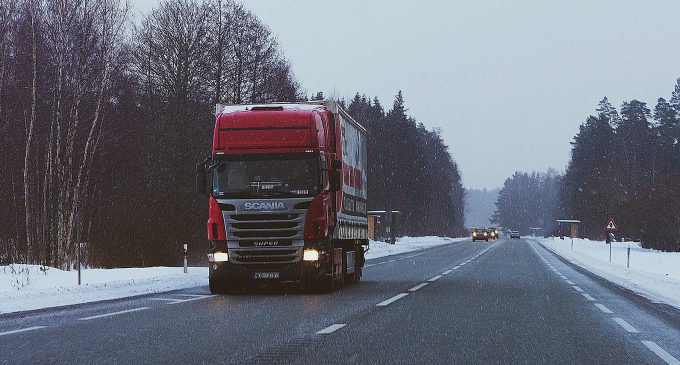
(310, 255)
(218, 257)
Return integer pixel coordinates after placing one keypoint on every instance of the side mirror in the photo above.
(334, 180)
(200, 179)
(336, 165)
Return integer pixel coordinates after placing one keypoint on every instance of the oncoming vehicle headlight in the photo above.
(218, 257)
(474, 234)
(486, 234)
(310, 255)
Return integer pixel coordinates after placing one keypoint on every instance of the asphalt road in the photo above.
(503, 302)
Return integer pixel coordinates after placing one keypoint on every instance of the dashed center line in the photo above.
(447, 272)
(578, 289)
(21, 330)
(570, 282)
(588, 296)
(435, 278)
(418, 287)
(665, 356)
(603, 308)
(330, 329)
(625, 325)
(391, 300)
(456, 268)
(113, 313)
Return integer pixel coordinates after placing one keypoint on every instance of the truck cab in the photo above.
(284, 202)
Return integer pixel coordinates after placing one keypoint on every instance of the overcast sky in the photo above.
(509, 82)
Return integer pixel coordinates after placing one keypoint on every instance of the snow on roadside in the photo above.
(29, 287)
(407, 244)
(653, 274)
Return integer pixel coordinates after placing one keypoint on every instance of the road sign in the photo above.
(611, 226)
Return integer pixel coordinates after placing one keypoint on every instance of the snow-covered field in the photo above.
(653, 274)
(29, 287)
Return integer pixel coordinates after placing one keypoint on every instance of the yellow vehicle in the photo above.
(480, 234)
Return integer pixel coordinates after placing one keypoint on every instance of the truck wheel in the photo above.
(219, 286)
(357, 274)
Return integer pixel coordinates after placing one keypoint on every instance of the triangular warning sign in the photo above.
(611, 226)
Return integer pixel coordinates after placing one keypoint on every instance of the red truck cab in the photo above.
(287, 197)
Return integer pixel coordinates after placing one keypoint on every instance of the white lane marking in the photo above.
(392, 261)
(435, 278)
(192, 299)
(588, 296)
(21, 330)
(193, 295)
(113, 313)
(625, 325)
(603, 308)
(166, 299)
(419, 286)
(577, 288)
(412, 256)
(330, 329)
(447, 272)
(456, 268)
(563, 277)
(461, 264)
(369, 265)
(665, 356)
(570, 282)
(391, 300)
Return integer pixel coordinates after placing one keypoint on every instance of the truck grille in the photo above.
(266, 256)
(265, 238)
(265, 226)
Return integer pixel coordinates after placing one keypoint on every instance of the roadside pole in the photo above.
(77, 200)
(184, 252)
(608, 228)
(628, 254)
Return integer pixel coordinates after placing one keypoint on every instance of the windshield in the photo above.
(266, 176)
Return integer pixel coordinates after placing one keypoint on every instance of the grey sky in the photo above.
(520, 75)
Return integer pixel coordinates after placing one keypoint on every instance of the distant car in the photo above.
(480, 234)
(495, 233)
(514, 234)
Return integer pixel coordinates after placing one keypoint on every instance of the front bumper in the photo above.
(304, 271)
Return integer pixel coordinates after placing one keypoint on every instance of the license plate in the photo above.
(266, 275)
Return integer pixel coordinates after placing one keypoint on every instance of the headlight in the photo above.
(485, 234)
(474, 234)
(310, 255)
(218, 257)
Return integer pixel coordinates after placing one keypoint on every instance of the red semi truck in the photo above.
(287, 196)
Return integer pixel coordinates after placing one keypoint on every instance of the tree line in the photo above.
(624, 165)
(123, 113)
(410, 169)
(529, 200)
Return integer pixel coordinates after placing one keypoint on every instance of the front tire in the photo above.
(219, 286)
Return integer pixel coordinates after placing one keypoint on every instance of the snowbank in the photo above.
(653, 274)
(28, 287)
(407, 244)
